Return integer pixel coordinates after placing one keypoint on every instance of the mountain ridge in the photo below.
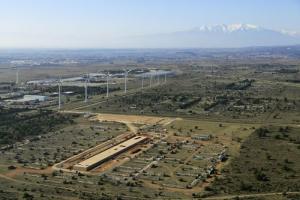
(217, 36)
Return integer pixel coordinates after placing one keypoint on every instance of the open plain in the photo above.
(199, 127)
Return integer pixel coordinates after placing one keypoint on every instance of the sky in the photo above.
(94, 23)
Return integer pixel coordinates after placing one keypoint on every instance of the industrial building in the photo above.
(35, 98)
(202, 137)
(28, 99)
(108, 154)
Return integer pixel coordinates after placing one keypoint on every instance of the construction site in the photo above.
(110, 154)
(150, 151)
(102, 153)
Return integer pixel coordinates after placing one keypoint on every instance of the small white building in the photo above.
(204, 137)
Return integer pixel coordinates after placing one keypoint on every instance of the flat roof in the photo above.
(111, 151)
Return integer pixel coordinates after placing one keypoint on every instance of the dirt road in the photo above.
(241, 196)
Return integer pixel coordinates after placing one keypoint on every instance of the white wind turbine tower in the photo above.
(59, 93)
(107, 89)
(150, 79)
(17, 76)
(157, 75)
(143, 81)
(125, 80)
(86, 88)
(165, 77)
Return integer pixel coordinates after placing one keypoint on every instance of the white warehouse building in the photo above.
(34, 98)
(27, 99)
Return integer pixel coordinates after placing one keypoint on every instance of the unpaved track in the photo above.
(133, 119)
(185, 161)
(241, 196)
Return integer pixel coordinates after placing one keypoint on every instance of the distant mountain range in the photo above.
(216, 36)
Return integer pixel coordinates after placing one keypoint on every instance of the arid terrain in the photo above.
(223, 126)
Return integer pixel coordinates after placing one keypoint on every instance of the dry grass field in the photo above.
(233, 106)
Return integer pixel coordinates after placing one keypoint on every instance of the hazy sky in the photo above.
(94, 23)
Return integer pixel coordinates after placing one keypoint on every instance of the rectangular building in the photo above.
(104, 156)
(202, 137)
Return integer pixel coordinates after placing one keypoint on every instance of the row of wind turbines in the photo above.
(108, 75)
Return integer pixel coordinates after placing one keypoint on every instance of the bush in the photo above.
(260, 176)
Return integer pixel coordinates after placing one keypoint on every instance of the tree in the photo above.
(28, 196)
(260, 176)
(262, 132)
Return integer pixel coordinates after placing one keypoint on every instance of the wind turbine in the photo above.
(143, 81)
(165, 77)
(125, 80)
(17, 76)
(107, 89)
(86, 88)
(59, 93)
(125, 77)
(150, 79)
(143, 76)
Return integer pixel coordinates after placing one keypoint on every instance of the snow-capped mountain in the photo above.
(217, 36)
(229, 28)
